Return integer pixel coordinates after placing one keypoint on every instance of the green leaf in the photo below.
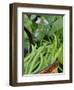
(27, 22)
(57, 25)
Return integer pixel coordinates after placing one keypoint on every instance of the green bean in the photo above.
(45, 59)
(41, 62)
(26, 64)
(27, 68)
(44, 63)
(27, 57)
(35, 58)
(47, 56)
(56, 54)
(52, 50)
(37, 63)
(33, 51)
(30, 59)
(38, 60)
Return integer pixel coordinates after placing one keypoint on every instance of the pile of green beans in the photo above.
(41, 57)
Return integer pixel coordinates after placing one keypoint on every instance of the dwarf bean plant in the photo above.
(43, 45)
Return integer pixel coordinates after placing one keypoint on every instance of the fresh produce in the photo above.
(46, 46)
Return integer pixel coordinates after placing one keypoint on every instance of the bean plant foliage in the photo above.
(43, 42)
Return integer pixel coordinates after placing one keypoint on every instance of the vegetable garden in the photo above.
(43, 43)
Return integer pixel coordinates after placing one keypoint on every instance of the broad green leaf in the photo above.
(57, 25)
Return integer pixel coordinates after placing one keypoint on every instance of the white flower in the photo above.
(38, 20)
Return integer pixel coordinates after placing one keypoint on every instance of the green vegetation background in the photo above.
(47, 46)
